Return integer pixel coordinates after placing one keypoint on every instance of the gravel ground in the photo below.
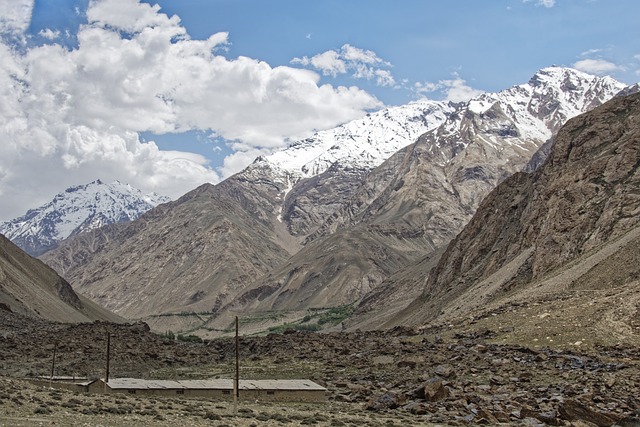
(464, 374)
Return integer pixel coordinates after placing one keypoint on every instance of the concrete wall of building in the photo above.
(283, 395)
(219, 394)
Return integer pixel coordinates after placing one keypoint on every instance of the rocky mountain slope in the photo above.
(424, 194)
(276, 235)
(569, 231)
(76, 210)
(323, 171)
(184, 255)
(28, 287)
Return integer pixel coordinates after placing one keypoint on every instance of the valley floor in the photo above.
(24, 404)
(442, 375)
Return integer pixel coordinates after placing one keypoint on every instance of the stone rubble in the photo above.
(465, 379)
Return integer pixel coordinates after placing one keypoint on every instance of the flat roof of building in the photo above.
(214, 384)
(62, 378)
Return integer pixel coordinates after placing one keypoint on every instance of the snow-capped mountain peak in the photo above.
(533, 110)
(364, 143)
(77, 209)
(551, 96)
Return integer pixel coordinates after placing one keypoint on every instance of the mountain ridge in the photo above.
(582, 199)
(412, 203)
(28, 287)
(76, 210)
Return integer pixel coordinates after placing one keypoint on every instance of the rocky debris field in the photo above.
(400, 375)
(23, 404)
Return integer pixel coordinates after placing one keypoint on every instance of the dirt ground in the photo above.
(24, 404)
(568, 360)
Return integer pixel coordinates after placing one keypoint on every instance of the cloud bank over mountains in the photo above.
(87, 85)
(69, 115)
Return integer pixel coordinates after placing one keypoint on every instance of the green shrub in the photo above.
(169, 335)
(189, 338)
(335, 315)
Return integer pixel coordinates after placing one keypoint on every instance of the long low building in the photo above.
(261, 390)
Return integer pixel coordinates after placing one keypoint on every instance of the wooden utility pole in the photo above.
(53, 362)
(106, 371)
(236, 380)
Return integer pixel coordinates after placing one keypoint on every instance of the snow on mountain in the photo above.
(525, 116)
(552, 96)
(503, 130)
(535, 110)
(364, 143)
(78, 209)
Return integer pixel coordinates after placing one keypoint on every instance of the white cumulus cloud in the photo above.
(69, 116)
(49, 34)
(596, 66)
(15, 16)
(130, 16)
(361, 63)
(455, 90)
(329, 63)
(544, 3)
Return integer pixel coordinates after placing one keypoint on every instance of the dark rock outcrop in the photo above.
(586, 194)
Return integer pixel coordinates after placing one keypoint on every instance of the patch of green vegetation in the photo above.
(168, 335)
(189, 338)
(317, 319)
(335, 315)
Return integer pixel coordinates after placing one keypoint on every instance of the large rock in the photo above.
(388, 400)
(572, 410)
(435, 390)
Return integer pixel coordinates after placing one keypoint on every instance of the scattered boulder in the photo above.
(435, 390)
(571, 410)
(445, 371)
(548, 418)
(388, 400)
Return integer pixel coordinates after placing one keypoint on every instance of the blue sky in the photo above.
(168, 94)
(490, 44)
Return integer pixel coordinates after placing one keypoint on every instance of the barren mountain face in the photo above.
(190, 255)
(328, 220)
(581, 207)
(30, 288)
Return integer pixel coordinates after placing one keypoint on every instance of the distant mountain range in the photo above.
(77, 210)
(330, 220)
